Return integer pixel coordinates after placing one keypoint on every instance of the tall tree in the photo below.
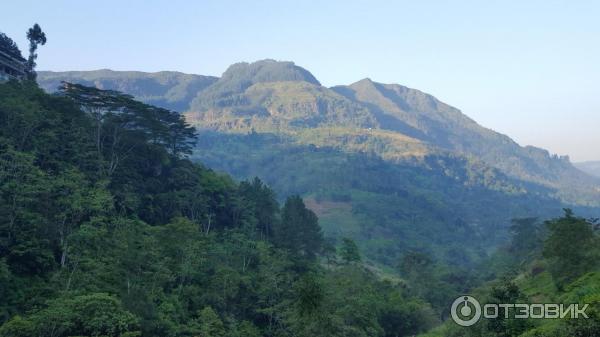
(262, 201)
(299, 231)
(36, 36)
(210, 323)
(526, 238)
(124, 125)
(349, 251)
(571, 247)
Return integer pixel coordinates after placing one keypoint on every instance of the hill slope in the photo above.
(590, 167)
(415, 113)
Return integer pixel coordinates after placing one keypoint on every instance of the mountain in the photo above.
(422, 116)
(167, 89)
(390, 166)
(298, 105)
(240, 76)
(590, 167)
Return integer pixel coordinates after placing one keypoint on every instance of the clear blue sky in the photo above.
(529, 69)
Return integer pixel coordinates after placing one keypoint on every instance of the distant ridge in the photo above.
(590, 167)
(168, 89)
(391, 120)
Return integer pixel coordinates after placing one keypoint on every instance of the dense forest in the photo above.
(106, 229)
(439, 204)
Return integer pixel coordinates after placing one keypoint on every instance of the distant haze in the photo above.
(526, 69)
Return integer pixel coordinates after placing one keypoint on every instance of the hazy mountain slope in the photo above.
(590, 167)
(168, 89)
(422, 116)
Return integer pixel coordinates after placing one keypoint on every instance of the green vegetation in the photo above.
(106, 229)
(562, 267)
(349, 251)
(389, 120)
(166, 89)
(9, 46)
(437, 204)
(228, 90)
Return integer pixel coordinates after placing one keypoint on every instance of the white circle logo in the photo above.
(465, 311)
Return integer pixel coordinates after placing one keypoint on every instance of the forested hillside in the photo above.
(107, 230)
(439, 205)
(554, 261)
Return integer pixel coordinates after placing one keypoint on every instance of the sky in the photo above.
(529, 69)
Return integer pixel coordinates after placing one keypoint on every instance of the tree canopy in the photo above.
(9, 46)
(106, 229)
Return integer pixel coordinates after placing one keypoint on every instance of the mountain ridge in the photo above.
(281, 97)
(590, 167)
(169, 89)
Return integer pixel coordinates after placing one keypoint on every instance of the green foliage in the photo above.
(7, 45)
(506, 291)
(240, 76)
(310, 295)
(299, 231)
(165, 89)
(107, 230)
(261, 200)
(571, 247)
(89, 315)
(349, 251)
(526, 238)
(210, 323)
(440, 204)
(542, 276)
(119, 118)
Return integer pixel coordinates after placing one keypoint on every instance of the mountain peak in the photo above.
(364, 80)
(267, 71)
(241, 76)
